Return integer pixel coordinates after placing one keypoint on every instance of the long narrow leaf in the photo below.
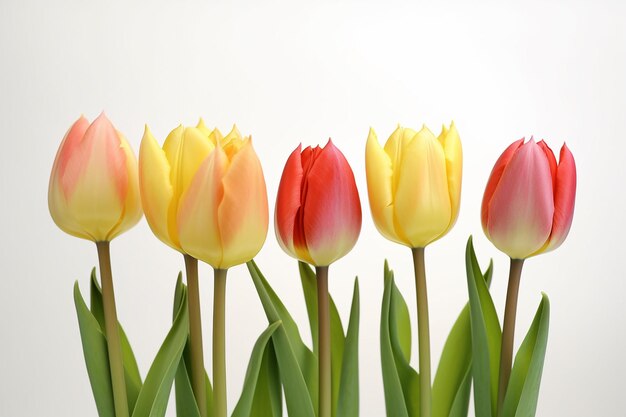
(96, 356)
(523, 390)
(348, 401)
(154, 395)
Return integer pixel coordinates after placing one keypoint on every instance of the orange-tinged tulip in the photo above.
(528, 203)
(204, 194)
(93, 191)
(414, 184)
(318, 212)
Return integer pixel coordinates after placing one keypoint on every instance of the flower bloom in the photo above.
(414, 184)
(318, 212)
(204, 194)
(528, 203)
(93, 191)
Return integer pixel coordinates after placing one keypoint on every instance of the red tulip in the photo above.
(528, 203)
(318, 211)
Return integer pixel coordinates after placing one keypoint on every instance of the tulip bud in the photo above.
(528, 203)
(205, 194)
(414, 184)
(93, 191)
(318, 212)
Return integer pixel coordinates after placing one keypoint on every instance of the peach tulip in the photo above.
(528, 203)
(93, 191)
(318, 212)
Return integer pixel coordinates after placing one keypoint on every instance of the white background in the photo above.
(295, 72)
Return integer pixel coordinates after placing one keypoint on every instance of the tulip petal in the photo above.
(332, 209)
(551, 160)
(494, 179)
(564, 198)
(57, 200)
(156, 188)
(451, 144)
(197, 219)
(243, 212)
(379, 172)
(96, 198)
(422, 206)
(288, 201)
(522, 206)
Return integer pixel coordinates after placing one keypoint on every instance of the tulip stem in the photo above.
(423, 333)
(508, 330)
(323, 318)
(219, 344)
(198, 382)
(114, 347)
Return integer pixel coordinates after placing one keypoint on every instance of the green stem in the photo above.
(198, 382)
(508, 330)
(219, 344)
(323, 318)
(423, 333)
(114, 347)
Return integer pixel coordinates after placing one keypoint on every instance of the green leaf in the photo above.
(337, 336)
(131, 370)
(523, 390)
(154, 395)
(453, 380)
(297, 364)
(392, 383)
(486, 337)
(348, 399)
(96, 356)
(268, 397)
(244, 406)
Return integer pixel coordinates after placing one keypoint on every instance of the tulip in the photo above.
(414, 187)
(205, 196)
(414, 184)
(528, 204)
(527, 209)
(93, 192)
(318, 212)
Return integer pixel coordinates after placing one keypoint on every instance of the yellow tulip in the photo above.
(414, 184)
(204, 194)
(93, 192)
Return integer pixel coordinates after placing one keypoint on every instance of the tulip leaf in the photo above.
(393, 378)
(523, 390)
(257, 397)
(96, 356)
(486, 337)
(185, 399)
(131, 370)
(268, 397)
(154, 395)
(296, 363)
(337, 336)
(348, 401)
(453, 380)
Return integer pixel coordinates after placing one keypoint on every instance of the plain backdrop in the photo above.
(296, 72)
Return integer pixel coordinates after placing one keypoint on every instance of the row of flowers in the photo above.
(204, 195)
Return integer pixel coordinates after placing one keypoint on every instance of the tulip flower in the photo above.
(414, 187)
(528, 204)
(94, 194)
(318, 212)
(527, 209)
(205, 196)
(318, 220)
(414, 184)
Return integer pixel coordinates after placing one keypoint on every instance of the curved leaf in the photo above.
(523, 390)
(154, 395)
(348, 398)
(96, 356)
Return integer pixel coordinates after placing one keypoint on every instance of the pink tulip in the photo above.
(318, 211)
(528, 203)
